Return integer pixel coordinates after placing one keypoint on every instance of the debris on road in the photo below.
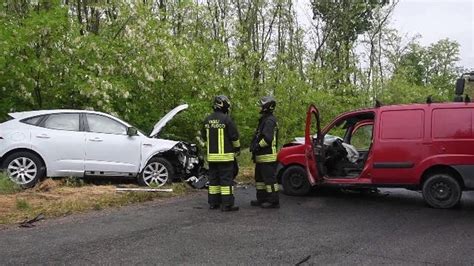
(303, 260)
(198, 182)
(144, 189)
(31, 223)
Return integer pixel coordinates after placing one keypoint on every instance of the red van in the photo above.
(427, 147)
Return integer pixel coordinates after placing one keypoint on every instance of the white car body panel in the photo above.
(163, 121)
(62, 151)
(152, 147)
(112, 153)
(74, 153)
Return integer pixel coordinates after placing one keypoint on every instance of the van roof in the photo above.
(413, 106)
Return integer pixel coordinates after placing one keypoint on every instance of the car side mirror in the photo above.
(131, 131)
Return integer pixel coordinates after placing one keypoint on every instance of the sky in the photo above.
(432, 19)
(439, 19)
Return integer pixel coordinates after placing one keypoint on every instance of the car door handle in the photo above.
(96, 140)
(147, 144)
(43, 136)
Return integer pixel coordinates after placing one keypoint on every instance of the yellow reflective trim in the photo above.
(226, 157)
(221, 140)
(274, 151)
(236, 143)
(213, 190)
(263, 143)
(226, 190)
(277, 187)
(260, 185)
(269, 188)
(267, 158)
(207, 137)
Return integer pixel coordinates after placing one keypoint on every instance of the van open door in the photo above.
(314, 146)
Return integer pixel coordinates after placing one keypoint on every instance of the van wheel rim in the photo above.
(296, 180)
(441, 191)
(22, 170)
(155, 175)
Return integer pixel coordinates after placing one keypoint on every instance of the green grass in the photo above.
(22, 204)
(73, 182)
(245, 159)
(7, 186)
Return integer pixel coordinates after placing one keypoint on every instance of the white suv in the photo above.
(81, 143)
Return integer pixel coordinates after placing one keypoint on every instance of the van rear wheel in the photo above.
(442, 191)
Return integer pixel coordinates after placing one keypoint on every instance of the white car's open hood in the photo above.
(167, 118)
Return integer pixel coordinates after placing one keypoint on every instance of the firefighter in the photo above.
(264, 154)
(222, 139)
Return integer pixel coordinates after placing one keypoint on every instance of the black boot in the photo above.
(214, 206)
(229, 208)
(270, 205)
(256, 203)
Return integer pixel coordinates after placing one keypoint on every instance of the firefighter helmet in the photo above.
(268, 104)
(221, 103)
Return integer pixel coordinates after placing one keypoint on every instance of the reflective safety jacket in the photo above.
(221, 136)
(265, 140)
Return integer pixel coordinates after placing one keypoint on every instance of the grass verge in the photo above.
(7, 186)
(55, 198)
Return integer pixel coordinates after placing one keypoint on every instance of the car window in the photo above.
(63, 122)
(362, 137)
(33, 121)
(102, 124)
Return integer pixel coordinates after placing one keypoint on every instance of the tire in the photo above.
(442, 191)
(24, 168)
(295, 181)
(156, 173)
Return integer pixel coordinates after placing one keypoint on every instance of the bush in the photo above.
(7, 186)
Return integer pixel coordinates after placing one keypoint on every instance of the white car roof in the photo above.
(20, 115)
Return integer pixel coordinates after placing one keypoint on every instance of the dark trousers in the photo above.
(266, 182)
(221, 190)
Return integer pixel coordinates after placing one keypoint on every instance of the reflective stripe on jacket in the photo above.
(267, 139)
(221, 136)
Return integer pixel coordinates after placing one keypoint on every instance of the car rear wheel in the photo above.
(295, 181)
(442, 191)
(157, 172)
(24, 169)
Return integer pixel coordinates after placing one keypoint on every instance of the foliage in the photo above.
(139, 59)
(7, 186)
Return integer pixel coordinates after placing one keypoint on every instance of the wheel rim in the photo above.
(441, 191)
(155, 174)
(296, 180)
(22, 170)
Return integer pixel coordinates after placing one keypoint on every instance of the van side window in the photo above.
(402, 125)
(451, 123)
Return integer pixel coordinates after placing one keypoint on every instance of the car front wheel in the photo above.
(157, 172)
(295, 181)
(441, 191)
(24, 169)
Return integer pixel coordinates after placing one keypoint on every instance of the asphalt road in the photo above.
(325, 228)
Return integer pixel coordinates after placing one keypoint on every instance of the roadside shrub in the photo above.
(7, 186)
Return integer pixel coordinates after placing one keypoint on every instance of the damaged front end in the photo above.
(189, 165)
